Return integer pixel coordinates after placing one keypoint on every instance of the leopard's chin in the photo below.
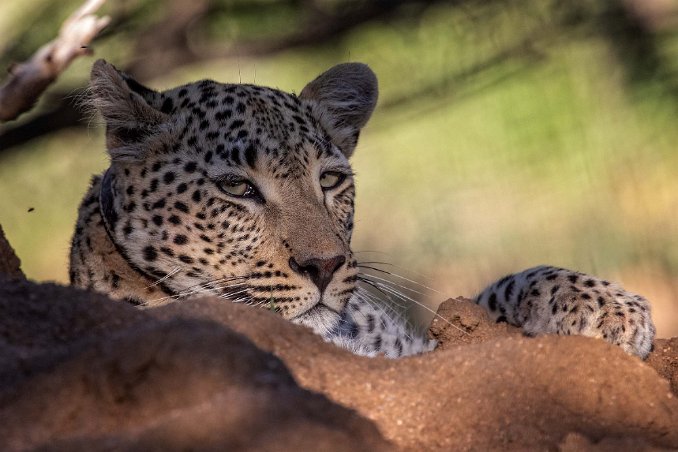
(321, 319)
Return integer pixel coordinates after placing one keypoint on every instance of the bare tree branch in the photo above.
(27, 81)
(154, 60)
(320, 27)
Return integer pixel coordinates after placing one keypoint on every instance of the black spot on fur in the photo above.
(181, 206)
(134, 301)
(509, 289)
(115, 280)
(238, 123)
(167, 251)
(150, 254)
(399, 347)
(371, 324)
(222, 115)
(186, 259)
(492, 302)
(167, 106)
(251, 156)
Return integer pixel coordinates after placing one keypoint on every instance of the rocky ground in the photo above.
(81, 372)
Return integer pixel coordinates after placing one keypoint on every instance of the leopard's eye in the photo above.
(331, 179)
(237, 188)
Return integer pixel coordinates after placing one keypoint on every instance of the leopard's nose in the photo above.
(319, 270)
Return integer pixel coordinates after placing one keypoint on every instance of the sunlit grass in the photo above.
(42, 185)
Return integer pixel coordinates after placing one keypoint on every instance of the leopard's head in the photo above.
(238, 190)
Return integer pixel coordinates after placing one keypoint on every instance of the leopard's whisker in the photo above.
(208, 283)
(223, 287)
(165, 278)
(219, 290)
(360, 265)
(407, 298)
(420, 275)
(391, 290)
(391, 284)
(391, 312)
(386, 309)
(366, 296)
(200, 289)
(374, 286)
(372, 251)
(191, 290)
(242, 298)
(231, 294)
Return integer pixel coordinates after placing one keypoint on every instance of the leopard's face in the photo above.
(236, 190)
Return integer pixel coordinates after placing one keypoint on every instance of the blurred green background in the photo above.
(508, 134)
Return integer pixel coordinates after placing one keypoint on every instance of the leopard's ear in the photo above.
(343, 99)
(134, 124)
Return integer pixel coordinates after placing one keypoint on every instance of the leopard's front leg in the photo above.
(555, 300)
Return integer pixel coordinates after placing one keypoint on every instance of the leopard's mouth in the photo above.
(320, 318)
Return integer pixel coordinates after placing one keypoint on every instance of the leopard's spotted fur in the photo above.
(246, 192)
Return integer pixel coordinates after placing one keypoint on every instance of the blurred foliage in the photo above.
(508, 134)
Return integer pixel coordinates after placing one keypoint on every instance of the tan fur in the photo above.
(166, 222)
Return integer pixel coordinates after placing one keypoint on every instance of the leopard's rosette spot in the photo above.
(246, 193)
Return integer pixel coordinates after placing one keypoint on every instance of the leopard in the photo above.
(246, 193)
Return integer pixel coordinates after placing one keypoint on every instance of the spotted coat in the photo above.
(246, 193)
(555, 300)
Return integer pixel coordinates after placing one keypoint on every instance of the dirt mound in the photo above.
(210, 374)
(81, 372)
(664, 359)
(503, 391)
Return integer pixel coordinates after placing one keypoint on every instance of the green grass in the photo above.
(42, 184)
